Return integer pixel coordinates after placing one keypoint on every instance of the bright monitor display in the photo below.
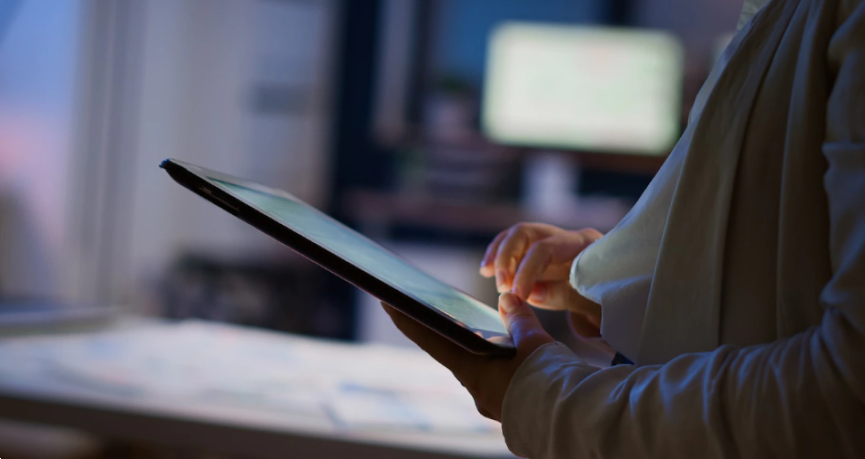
(595, 89)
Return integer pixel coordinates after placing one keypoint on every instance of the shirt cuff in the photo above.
(575, 266)
(529, 405)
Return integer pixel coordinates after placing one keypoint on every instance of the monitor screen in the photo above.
(594, 89)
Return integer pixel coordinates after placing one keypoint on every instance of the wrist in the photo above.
(584, 325)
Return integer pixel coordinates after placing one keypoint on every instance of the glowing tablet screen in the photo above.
(370, 257)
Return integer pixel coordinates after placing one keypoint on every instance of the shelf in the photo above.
(604, 161)
(375, 211)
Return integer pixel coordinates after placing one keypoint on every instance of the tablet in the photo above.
(453, 314)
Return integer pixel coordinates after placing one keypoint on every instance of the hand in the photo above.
(533, 261)
(486, 378)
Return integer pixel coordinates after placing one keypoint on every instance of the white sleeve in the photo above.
(798, 397)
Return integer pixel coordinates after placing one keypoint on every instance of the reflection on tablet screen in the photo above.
(370, 257)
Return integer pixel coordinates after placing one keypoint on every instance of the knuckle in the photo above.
(537, 246)
(524, 229)
(565, 238)
(540, 248)
(546, 244)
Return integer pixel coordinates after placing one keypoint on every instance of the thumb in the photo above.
(522, 323)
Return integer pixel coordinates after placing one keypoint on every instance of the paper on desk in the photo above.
(402, 412)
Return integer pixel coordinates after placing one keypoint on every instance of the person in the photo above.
(736, 284)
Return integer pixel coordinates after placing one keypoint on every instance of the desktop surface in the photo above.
(243, 391)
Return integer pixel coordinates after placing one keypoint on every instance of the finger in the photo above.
(561, 296)
(558, 249)
(510, 252)
(569, 245)
(554, 296)
(591, 234)
(487, 267)
(531, 267)
(556, 272)
(522, 324)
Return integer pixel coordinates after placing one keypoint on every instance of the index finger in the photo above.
(509, 254)
(547, 253)
(531, 269)
(487, 268)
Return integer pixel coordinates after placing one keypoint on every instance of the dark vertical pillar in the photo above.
(354, 159)
(618, 12)
(420, 65)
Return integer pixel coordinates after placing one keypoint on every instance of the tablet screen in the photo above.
(370, 257)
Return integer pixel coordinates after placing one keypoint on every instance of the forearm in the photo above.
(801, 397)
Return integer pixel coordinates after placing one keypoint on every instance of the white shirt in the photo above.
(623, 288)
(749, 10)
(737, 283)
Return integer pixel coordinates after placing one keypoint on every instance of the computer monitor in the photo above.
(590, 89)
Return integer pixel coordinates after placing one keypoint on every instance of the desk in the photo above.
(245, 392)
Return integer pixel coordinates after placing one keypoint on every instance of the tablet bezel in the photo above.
(197, 180)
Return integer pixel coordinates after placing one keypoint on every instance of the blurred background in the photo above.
(429, 125)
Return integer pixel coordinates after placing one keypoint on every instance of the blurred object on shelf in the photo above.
(450, 112)
(469, 171)
(447, 158)
(274, 295)
(550, 183)
(550, 193)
